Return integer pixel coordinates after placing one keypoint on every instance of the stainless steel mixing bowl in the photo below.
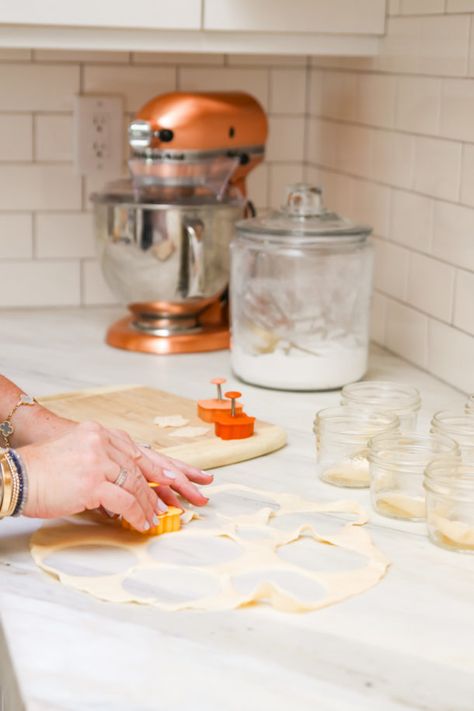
(167, 261)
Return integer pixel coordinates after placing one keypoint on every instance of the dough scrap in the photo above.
(401, 505)
(190, 432)
(170, 421)
(351, 472)
(259, 553)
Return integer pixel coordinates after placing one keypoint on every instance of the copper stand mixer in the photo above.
(164, 234)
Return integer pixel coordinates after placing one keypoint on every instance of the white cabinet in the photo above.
(318, 16)
(300, 27)
(151, 14)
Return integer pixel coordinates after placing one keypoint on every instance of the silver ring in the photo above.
(122, 477)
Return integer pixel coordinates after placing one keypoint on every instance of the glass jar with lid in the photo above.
(301, 282)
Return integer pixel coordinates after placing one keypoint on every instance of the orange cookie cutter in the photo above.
(232, 424)
(209, 409)
(168, 522)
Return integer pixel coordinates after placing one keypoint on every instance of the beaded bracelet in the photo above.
(14, 483)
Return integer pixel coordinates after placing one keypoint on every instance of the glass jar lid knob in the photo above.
(303, 200)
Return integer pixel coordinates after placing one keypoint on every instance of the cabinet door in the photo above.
(316, 16)
(150, 14)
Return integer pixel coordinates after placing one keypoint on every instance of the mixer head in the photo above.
(197, 142)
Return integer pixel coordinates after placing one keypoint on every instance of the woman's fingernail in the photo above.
(161, 506)
(146, 526)
(155, 520)
(169, 474)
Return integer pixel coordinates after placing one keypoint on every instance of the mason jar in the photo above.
(301, 282)
(460, 427)
(397, 468)
(397, 398)
(342, 439)
(449, 488)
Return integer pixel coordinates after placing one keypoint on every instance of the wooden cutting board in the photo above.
(133, 409)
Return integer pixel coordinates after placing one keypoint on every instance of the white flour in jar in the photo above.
(290, 368)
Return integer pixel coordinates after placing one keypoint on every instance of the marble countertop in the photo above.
(408, 643)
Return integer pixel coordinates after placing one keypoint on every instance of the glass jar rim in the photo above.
(334, 417)
(451, 418)
(382, 394)
(402, 449)
(449, 478)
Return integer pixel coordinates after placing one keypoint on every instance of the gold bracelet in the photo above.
(6, 427)
(7, 485)
(15, 485)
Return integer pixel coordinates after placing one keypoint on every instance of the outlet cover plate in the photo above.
(98, 135)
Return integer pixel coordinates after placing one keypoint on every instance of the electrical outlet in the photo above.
(98, 135)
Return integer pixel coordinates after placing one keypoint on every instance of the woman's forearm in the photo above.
(30, 423)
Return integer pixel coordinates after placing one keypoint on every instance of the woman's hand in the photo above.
(78, 471)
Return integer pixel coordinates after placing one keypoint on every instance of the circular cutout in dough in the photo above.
(91, 560)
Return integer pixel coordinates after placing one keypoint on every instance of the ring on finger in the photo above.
(122, 477)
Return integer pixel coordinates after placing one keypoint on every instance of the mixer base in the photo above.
(211, 337)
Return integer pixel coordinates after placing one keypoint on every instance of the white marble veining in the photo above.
(405, 644)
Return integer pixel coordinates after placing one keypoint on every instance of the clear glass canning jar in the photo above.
(385, 396)
(450, 505)
(397, 467)
(301, 283)
(460, 427)
(342, 437)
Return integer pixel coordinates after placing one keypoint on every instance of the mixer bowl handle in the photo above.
(191, 263)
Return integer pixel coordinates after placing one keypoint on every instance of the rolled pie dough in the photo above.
(259, 526)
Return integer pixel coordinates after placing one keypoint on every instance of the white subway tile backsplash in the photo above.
(136, 85)
(16, 137)
(280, 177)
(391, 268)
(257, 186)
(431, 286)
(376, 95)
(286, 139)
(457, 109)
(411, 220)
(453, 239)
(371, 205)
(393, 7)
(33, 87)
(464, 301)
(418, 104)
(81, 56)
(66, 235)
(267, 60)
(421, 7)
(459, 5)
(393, 158)
(16, 236)
(337, 191)
(437, 167)
(436, 45)
(467, 175)
(451, 355)
(253, 81)
(53, 137)
(95, 290)
(186, 58)
(378, 318)
(287, 91)
(353, 149)
(39, 187)
(315, 89)
(40, 283)
(406, 332)
(338, 95)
